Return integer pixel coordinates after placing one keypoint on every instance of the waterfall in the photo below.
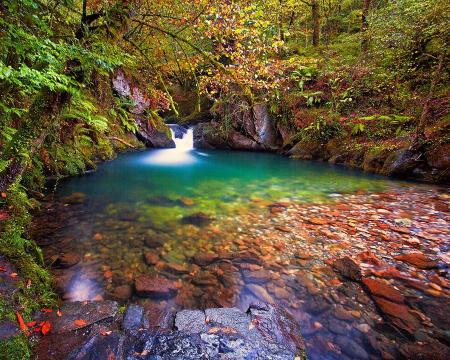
(181, 154)
(184, 139)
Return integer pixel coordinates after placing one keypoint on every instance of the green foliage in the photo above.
(322, 130)
(16, 348)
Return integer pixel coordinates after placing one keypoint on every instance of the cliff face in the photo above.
(241, 126)
(152, 130)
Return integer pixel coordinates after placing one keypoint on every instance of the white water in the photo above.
(181, 154)
(186, 143)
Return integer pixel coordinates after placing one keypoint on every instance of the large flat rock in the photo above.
(262, 332)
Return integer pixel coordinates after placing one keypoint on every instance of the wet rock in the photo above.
(430, 349)
(151, 258)
(382, 289)
(317, 305)
(147, 286)
(338, 327)
(343, 314)
(260, 293)
(398, 314)
(256, 277)
(351, 348)
(66, 260)
(347, 268)
(121, 293)
(100, 347)
(174, 268)
(205, 279)
(198, 219)
(191, 321)
(91, 312)
(185, 201)
(417, 259)
(75, 198)
(8, 329)
(134, 318)
(204, 259)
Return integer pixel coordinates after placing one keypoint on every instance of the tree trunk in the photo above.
(40, 119)
(365, 25)
(315, 10)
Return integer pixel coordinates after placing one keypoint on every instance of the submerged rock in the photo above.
(66, 260)
(347, 268)
(198, 219)
(75, 198)
(147, 286)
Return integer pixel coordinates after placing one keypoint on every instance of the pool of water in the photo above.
(215, 224)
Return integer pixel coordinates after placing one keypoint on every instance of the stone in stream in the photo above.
(147, 286)
(199, 219)
(262, 332)
(381, 288)
(256, 277)
(151, 258)
(260, 293)
(134, 318)
(66, 260)
(204, 259)
(418, 259)
(347, 268)
(121, 293)
(351, 348)
(75, 198)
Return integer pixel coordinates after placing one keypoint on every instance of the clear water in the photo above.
(153, 191)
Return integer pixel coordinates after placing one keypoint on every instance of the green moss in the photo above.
(16, 348)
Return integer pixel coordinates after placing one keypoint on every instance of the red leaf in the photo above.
(31, 323)
(22, 324)
(2, 269)
(47, 310)
(80, 322)
(46, 327)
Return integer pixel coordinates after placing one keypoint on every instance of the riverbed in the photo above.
(360, 261)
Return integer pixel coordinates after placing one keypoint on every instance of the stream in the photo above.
(185, 228)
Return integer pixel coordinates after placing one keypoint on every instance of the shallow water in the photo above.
(193, 202)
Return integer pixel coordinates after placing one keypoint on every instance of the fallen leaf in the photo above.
(47, 310)
(80, 322)
(2, 269)
(3, 195)
(22, 324)
(28, 283)
(105, 333)
(14, 275)
(59, 313)
(31, 323)
(46, 327)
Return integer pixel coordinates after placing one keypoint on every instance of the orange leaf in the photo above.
(3, 194)
(105, 333)
(80, 322)
(22, 324)
(59, 313)
(47, 310)
(14, 275)
(46, 327)
(31, 323)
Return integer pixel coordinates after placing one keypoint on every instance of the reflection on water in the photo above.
(218, 226)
